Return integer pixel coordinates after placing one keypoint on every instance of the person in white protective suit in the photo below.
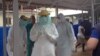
(9, 45)
(23, 34)
(44, 33)
(66, 40)
(81, 38)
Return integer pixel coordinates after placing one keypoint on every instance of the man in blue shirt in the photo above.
(87, 26)
(94, 41)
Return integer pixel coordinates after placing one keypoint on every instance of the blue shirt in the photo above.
(75, 27)
(95, 34)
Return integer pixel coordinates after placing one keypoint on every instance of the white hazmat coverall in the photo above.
(66, 40)
(22, 40)
(9, 45)
(44, 38)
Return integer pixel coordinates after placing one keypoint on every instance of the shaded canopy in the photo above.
(68, 4)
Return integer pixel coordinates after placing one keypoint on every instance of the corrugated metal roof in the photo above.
(69, 4)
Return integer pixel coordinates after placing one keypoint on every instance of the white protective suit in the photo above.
(45, 37)
(66, 40)
(9, 45)
(80, 35)
(10, 40)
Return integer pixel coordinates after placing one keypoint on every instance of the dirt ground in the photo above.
(80, 53)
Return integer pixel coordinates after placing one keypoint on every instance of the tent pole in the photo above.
(56, 10)
(92, 12)
(4, 28)
(16, 28)
(82, 15)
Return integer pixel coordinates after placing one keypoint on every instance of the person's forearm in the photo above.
(88, 48)
(91, 44)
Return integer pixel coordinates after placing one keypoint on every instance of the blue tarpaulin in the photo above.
(1, 40)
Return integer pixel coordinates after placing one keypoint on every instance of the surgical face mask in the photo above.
(44, 20)
(23, 23)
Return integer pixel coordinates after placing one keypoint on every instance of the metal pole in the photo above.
(7, 14)
(4, 28)
(56, 10)
(16, 28)
(92, 10)
(18, 34)
(82, 15)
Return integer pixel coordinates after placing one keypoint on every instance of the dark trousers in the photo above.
(83, 46)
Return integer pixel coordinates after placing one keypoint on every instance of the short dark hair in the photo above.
(33, 17)
(22, 16)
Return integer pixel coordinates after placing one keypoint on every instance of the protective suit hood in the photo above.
(61, 17)
(66, 39)
(23, 23)
(44, 20)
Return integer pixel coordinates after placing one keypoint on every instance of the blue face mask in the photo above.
(44, 20)
(23, 23)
